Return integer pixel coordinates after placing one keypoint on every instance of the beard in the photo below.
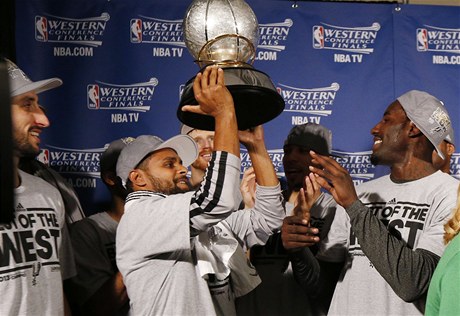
(168, 187)
(24, 149)
(374, 159)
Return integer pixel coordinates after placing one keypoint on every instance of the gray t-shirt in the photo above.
(415, 213)
(36, 254)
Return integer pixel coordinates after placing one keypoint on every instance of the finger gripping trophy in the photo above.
(226, 33)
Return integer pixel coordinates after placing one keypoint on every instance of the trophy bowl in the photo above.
(225, 33)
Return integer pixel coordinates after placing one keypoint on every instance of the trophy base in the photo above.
(254, 95)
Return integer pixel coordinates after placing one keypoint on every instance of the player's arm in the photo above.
(407, 271)
(218, 194)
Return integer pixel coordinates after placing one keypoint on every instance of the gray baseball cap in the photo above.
(429, 115)
(185, 129)
(142, 146)
(20, 83)
(450, 136)
(312, 136)
(110, 156)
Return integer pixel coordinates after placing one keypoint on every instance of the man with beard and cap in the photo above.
(31, 162)
(181, 252)
(272, 260)
(98, 288)
(35, 247)
(388, 232)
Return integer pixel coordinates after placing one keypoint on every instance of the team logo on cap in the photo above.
(354, 42)
(272, 39)
(358, 165)
(444, 43)
(14, 72)
(442, 120)
(41, 29)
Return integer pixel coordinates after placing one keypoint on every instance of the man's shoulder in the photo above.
(93, 220)
(36, 184)
(374, 182)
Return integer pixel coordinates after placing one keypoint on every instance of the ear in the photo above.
(414, 131)
(138, 178)
(109, 177)
(450, 148)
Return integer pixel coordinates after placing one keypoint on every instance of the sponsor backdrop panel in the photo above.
(124, 64)
(428, 58)
(326, 71)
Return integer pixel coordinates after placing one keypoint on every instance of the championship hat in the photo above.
(134, 152)
(20, 83)
(429, 115)
(110, 156)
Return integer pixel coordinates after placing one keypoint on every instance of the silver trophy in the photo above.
(226, 33)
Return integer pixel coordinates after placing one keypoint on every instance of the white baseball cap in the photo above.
(20, 83)
(429, 115)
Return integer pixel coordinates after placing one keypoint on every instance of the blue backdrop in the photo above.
(124, 64)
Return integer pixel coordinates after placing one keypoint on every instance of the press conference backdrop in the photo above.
(124, 65)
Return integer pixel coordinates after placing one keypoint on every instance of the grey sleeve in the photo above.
(407, 271)
(254, 226)
(218, 194)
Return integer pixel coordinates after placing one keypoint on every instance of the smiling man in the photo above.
(388, 232)
(205, 141)
(155, 253)
(35, 249)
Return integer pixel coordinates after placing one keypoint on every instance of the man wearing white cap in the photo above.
(170, 246)
(389, 231)
(36, 252)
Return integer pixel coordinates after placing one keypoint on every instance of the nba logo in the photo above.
(44, 157)
(278, 89)
(136, 31)
(41, 29)
(318, 37)
(422, 40)
(93, 96)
